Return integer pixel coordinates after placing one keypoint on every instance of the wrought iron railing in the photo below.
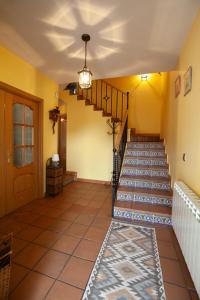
(106, 98)
(118, 154)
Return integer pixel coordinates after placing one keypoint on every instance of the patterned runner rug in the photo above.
(127, 267)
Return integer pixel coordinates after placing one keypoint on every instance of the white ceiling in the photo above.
(127, 36)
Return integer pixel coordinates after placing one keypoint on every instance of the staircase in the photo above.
(104, 97)
(144, 192)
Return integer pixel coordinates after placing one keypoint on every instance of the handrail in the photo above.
(119, 136)
(112, 86)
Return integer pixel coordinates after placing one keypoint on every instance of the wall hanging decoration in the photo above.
(188, 81)
(54, 115)
(177, 86)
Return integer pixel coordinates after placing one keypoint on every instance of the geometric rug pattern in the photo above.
(127, 267)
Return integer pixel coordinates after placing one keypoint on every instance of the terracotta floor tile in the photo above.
(102, 222)
(34, 287)
(95, 234)
(63, 291)
(26, 217)
(59, 226)
(77, 230)
(43, 221)
(30, 255)
(51, 263)
(164, 234)
(29, 233)
(77, 272)
(84, 219)
(166, 249)
(172, 272)
(66, 244)
(194, 295)
(174, 292)
(77, 208)
(17, 274)
(87, 250)
(18, 245)
(47, 238)
(13, 227)
(69, 216)
(53, 212)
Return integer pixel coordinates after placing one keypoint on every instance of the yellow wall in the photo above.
(145, 102)
(181, 125)
(89, 147)
(18, 73)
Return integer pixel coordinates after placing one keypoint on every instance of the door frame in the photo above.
(15, 91)
(62, 115)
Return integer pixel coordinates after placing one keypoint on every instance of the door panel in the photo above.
(22, 151)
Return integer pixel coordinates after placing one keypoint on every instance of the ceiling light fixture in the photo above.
(144, 77)
(85, 75)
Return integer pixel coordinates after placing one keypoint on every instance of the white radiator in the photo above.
(186, 224)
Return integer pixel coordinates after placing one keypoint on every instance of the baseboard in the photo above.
(94, 181)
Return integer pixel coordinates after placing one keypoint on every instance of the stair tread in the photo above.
(144, 157)
(146, 149)
(128, 189)
(149, 178)
(144, 207)
(142, 167)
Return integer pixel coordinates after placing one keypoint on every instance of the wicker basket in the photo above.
(5, 265)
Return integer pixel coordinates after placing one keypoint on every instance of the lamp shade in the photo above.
(85, 78)
(55, 158)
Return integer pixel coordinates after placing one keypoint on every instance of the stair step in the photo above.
(145, 138)
(106, 114)
(147, 182)
(155, 171)
(145, 152)
(145, 161)
(143, 145)
(143, 213)
(117, 120)
(88, 102)
(97, 108)
(80, 97)
(153, 197)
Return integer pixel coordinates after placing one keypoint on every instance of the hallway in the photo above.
(57, 240)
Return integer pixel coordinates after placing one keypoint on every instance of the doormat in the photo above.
(127, 267)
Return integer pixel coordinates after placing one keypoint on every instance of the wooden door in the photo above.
(22, 151)
(62, 139)
(21, 154)
(2, 155)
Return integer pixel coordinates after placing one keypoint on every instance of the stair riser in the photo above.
(145, 139)
(132, 197)
(146, 153)
(145, 146)
(145, 172)
(145, 162)
(145, 184)
(140, 216)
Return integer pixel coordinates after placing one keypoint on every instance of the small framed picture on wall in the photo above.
(177, 86)
(188, 81)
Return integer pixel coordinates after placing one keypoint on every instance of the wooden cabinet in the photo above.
(54, 180)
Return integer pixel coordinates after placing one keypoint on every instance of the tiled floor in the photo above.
(56, 242)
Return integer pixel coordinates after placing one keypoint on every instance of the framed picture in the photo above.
(177, 86)
(188, 81)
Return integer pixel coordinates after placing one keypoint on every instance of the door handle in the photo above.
(10, 158)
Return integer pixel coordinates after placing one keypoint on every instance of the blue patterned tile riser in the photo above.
(144, 172)
(144, 198)
(131, 145)
(145, 162)
(146, 153)
(145, 184)
(140, 216)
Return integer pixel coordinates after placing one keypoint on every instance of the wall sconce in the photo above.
(54, 115)
(144, 77)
